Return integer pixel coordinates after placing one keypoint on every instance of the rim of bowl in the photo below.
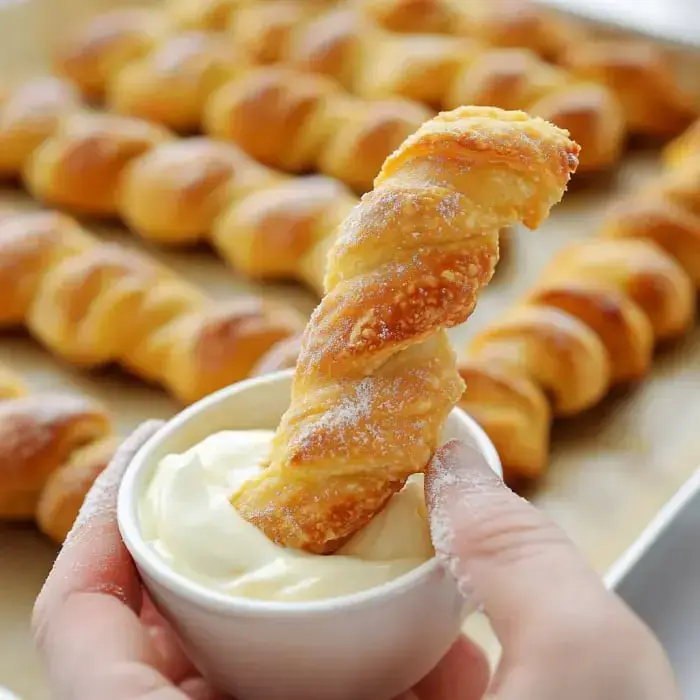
(153, 565)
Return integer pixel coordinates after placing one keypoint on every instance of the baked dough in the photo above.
(376, 377)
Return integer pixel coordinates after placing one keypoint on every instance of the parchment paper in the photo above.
(611, 470)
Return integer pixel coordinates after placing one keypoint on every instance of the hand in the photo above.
(564, 636)
(98, 632)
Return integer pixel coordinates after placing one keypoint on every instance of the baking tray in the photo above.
(676, 22)
(611, 469)
(659, 578)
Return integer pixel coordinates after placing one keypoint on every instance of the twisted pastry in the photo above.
(170, 84)
(445, 72)
(94, 304)
(666, 212)
(298, 122)
(500, 23)
(105, 44)
(173, 191)
(642, 76)
(376, 377)
(79, 166)
(28, 115)
(100, 48)
(39, 434)
(369, 62)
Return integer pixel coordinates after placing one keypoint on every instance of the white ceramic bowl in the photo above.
(371, 645)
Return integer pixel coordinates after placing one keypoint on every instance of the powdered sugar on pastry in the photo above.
(376, 376)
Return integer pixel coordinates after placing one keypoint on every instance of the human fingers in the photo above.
(501, 550)
(463, 674)
(551, 612)
(86, 616)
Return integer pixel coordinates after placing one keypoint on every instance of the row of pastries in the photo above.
(330, 88)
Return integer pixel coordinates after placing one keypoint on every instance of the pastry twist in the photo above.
(644, 79)
(498, 23)
(594, 318)
(298, 122)
(376, 377)
(446, 71)
(667, 211)
(281, 117)
(100, 48)
(41, 435)
(94, 304)
(169, 190)
(440, 71)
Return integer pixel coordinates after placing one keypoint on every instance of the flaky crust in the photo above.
(513, 411)
(445, 72)
(171, 83)
(376, 377)
(643, 78)
(66, 487)
(29, 115)
(37, 435)
(95, 304)
(101, 47)
(79, 166)
(593, 318)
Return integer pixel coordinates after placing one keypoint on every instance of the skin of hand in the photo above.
(564, 635)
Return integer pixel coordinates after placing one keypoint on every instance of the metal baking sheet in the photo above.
(659, 577)
(672, 21)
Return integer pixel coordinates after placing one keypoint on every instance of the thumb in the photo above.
(503, 552)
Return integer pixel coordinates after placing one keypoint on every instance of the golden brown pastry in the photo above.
(299, 122)
(439, 71)
(65, 489)
(205, 15)
(446, 72)
(513, 411)
(28, 115)
(171, 83)
(80, 165)
(38, 434)
(555, 349)
(643, 78)
(95, 304)
(376, 377)
(262, 29)
(175, 191)
(640, 271)
(297, 220)
(105, 44)
(590, 322)
(500, 23)
(656, 218)
(517, 77)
